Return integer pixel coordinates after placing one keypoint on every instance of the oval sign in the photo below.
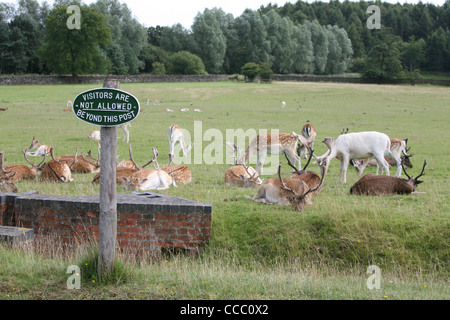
(106, 107)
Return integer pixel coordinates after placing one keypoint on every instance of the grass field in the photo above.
(257, 251)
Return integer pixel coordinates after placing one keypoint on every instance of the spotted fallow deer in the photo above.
(273, 143)
(181, 174)
(286, 191)
(175, 134)
(56, 170)
(241, 175)
(41, 149)
(23, 172)
(371, 185)
(6, 184)
(359, 145)
(149, 179)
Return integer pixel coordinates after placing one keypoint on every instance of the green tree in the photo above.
(250, 70)
(319, 40)
(210, 41)
(265, 72)
(175, 39)
(75, 51)
(304, 53)
(184, 62)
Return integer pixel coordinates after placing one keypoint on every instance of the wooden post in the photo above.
(108, 201)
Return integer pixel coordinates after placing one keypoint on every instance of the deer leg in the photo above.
(381, 162)
(344, 166)
(261, 157)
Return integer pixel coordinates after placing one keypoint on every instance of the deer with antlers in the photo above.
(22, 172)
(273, 143)
(310, 134)
(371, 185)
(6, 184)
(41, 149)
(241, 175)
(176, 135)
(56, 170)
(149, 179)
(287, 191)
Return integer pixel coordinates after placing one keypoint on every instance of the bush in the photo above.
(184, 62)
(250, 70)
(158, 68)
(265, 72)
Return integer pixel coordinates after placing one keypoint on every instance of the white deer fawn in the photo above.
(273, 143)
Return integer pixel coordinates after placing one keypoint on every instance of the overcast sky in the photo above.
(169, 12)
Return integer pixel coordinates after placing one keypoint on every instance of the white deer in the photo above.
(273, 143)
(359, 145)
(176, 135)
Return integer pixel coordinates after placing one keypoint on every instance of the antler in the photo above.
(3, 170)
(282, 185)
(421, 174)
(236, 150)
(24, 151)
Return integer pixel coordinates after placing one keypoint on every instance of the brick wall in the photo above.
(145, 223)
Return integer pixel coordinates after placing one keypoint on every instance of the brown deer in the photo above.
(57, 171)
(6, 184)
(310, 134)
(241, 175)
(82, 164)
(22, 172)
(287, 191)
(371, 185)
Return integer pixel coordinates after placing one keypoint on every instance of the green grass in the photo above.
(258, 251)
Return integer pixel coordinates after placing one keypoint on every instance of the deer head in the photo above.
(6, 185)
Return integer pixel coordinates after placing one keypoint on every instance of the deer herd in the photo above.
(358, 149)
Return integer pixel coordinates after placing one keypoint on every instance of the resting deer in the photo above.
(273, 143)
(176, 135)
(6, 184)
(180, 174)
(240, 174)
(149, 179)
(371, 185)
(398, 146)
(22, 172)
(56, 170)
(287, 191)
(359, 145)
(310, 134)
(41, 149)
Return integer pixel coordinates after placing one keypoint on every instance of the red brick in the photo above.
(135, 216)
(130, 229)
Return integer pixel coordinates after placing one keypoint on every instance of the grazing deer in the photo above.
(371, 185)
(149, 179)
(283, 105)
(310, 134)
(358, 145)
(56, 170)
(241, 175)
(6, 184)
(41, 149)
(126, 132)
(398, 146)
(273, 143)
(176, 135)
(287, 191)
(23, 172)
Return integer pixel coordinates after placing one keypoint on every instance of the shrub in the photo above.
(265, 72)
(184, 62)
(250, 70)
(158, 68)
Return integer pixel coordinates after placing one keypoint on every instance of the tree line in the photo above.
(315, 38)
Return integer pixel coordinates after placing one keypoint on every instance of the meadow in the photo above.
(256, 251)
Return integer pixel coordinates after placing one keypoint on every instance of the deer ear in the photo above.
(418, 182)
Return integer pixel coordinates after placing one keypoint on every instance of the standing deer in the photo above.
(371, 185)
(41, 149)
(310, 134)
(57, 171)
(398, 146)
(273, 143)
(240, 174)
(359, 145)
(23, 172)
(6, 184)
(176, 135)
(126, 132)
